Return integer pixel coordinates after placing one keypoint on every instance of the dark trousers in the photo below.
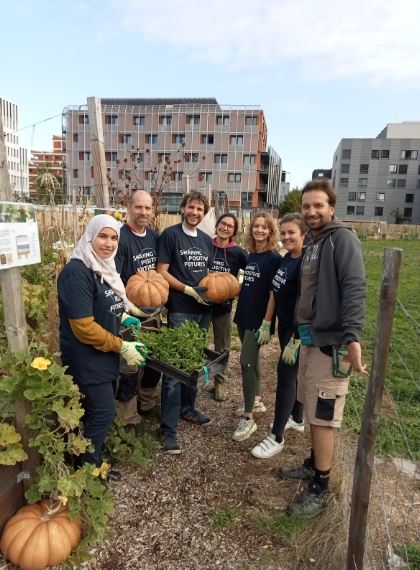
(177, 399)
(286, 403)
(99, 406)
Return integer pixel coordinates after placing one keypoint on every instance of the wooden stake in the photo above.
(98, 152)
(365, 455)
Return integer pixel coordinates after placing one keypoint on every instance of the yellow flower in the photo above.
(104, 468)
(96, 471)
(63, 500)
(40, 363)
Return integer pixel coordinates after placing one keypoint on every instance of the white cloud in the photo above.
(374, 39)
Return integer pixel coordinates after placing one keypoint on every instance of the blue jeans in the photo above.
(177, 398)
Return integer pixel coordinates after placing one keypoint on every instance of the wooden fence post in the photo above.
(98, 152)
(369, 430)
(14, 320)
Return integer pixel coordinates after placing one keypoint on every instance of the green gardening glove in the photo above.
(134, 353)
(291, 351)
(130, 321)
(263, 334)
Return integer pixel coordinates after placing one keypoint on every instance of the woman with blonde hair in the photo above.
(262, 242)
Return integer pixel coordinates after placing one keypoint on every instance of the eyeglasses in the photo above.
(225, 225)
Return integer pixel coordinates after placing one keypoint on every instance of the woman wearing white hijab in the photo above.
(92, 303)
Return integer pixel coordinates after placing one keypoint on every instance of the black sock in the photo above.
(310, 461)
(279, 438)
(321, 480)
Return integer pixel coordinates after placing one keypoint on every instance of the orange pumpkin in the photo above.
(220, 286)
(40, 535)
(147, 289)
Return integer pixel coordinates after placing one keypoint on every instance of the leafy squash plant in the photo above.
(55, 415)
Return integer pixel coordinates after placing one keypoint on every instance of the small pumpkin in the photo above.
(220, 286)
(147, 289)
(40, 535)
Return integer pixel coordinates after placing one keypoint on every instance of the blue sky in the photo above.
(321, 71)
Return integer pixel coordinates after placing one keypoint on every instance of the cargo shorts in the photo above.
(323, 396)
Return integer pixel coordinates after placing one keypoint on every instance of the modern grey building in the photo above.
(379, 178)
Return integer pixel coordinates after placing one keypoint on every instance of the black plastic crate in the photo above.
(215, 364)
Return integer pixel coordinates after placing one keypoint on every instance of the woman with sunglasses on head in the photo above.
(227, 257)
(283, 296)
(253, 329)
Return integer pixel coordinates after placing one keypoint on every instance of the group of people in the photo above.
(315, 293)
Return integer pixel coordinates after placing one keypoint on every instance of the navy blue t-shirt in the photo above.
(189, 259)
(227, 259)
(255, 290)
(285, 286)
(81, 294)
(136, 253)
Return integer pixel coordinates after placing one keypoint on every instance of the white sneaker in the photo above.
(258, 408)
(267, 448)
(291, 424)
(244, 430)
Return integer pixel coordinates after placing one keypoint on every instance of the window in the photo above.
(360, 210)
(138, 120)
(236, 140)
(409, 154)
(246, 199)
(83, 119)
(136, 157)
(250, 121)
(178, 138)
(391, 182)
(418, 184)
(401, 182)
(75, 173)
(374, 154)
(418, 170)
(192, 157)
(75, 137)
(393, 168)
(151, 139)
(352, 197)
(402, 169)
(222, 120)
(164, 157)
(409, 198)
(249, 159)
(85, 190)
(177, 176)
(385, 153)
(362, 183)
(344, 182)
(345, 168)
(350, 210)
(346, 154)
(364, 168)
(111, 156)
(408, 212)
(207, 139)
(125, 138)
(92, 172)
(150, 175)
(193, 119)
(361, 196)
(220, 158)
(380, 196)
(84, 155)
(379, 211)
(205, 176)
(165, 120)
(234, 177)
(111, 119)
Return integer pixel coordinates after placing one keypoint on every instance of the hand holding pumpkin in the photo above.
(197, 293)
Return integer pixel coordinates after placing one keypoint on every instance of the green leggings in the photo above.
(250, 366)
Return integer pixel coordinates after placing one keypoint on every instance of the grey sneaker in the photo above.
(246, 427)
(309, 504)
(303, 472)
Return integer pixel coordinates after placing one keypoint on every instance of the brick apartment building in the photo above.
(209, 146)
(44, 160)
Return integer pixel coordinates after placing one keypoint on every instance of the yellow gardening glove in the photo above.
(146, 312)
(134, 353)
(197, 294)
(263, 334)
(291, 352)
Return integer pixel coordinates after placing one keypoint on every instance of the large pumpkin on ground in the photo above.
(40, 535)
(220, 286)
(147, 289)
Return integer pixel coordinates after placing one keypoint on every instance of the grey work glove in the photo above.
(197, 294)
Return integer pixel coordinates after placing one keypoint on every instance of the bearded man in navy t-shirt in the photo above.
(184, 257)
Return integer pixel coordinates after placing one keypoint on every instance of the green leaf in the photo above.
(13, 454)
(72, 485)
(8, 434)
(69, 414)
